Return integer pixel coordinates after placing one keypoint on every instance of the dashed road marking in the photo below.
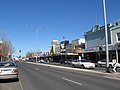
(72, 81)
(36, 68)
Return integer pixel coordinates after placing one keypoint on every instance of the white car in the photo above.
(42, 61)
(8, 70)
(83, 63)
(102, 63)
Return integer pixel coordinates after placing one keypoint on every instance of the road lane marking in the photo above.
(21, 85)
(72, 81)
(36, 68)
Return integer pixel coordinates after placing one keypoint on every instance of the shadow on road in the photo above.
(9, 80)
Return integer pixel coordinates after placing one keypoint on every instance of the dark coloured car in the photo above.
(63, 61)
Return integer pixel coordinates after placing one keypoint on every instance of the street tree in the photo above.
(6, 46)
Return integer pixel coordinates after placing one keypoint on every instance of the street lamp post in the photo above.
(36, 40)
(36, 44)
(106, 39)
(1, 43)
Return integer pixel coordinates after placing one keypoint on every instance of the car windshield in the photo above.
(70, 60)
(7, 64)
(84, 60)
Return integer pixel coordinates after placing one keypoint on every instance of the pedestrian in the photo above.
(115, 65)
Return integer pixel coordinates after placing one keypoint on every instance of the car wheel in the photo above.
(82, 67)
(73, 65)
(110, 66)
(15, 79)
(99, 65)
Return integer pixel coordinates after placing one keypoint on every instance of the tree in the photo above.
(7, 48)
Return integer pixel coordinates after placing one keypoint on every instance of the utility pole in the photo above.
(106, 39)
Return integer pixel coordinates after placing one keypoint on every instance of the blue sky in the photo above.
(68, 18)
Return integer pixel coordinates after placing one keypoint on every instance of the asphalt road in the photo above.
(102, 69)
(37, 77)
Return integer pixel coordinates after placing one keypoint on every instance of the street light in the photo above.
(1, 43)
(36, 39)
(106, 39)
(36, 44)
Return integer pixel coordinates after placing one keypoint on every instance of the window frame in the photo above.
(118, 37)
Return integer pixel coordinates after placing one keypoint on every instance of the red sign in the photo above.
(1, 55)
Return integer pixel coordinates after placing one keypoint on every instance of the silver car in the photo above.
(8, 70)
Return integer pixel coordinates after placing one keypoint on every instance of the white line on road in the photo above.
(72, 81)
(21, 85)
(36, 68)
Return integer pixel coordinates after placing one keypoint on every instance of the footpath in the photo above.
(104, 74)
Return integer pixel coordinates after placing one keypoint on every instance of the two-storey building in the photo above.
(66, 50)
(95, 42)
(115, 38)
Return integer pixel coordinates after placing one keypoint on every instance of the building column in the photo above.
(116, 55)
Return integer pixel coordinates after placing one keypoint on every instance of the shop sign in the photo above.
(1, 55)
(62, 47)
(90, 50)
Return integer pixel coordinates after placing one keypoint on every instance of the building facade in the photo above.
(66, 50)
(96, 36)
(115, 38)
(95, 42)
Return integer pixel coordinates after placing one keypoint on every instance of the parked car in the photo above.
(84, 63)
(8, 70)
(102, 63)
(32, 60)
(15, 60)
(63, 61)
(69, 61)
(43, 61)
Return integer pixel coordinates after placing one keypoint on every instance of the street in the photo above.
(40, 77)
(102, 69)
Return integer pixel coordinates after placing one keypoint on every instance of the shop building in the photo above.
(66, 50)
(95, 42)
(115, 39)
